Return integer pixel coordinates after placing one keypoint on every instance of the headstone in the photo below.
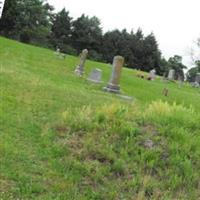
(195, 84)
(171, 75)
(197, 79)
(58, 51)
(165, 92)
(180, 83)
(152, 74)
(164, 77)
(113, 85)
(59, 54)
(80, 68)
(95, 76)
(180, 80)
(1, 7)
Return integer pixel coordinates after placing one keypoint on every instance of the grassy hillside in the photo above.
(62, 137)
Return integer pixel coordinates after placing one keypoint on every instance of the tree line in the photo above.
(191, 74)
(35, 22)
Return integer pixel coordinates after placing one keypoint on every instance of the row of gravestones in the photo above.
(196, 83)
(114, 83)
(118, 61)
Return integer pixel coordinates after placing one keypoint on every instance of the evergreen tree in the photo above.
(140, 52)
(27, 21)
(191, 74)
(32, 21)
(175, 63)
(61, 32)
(8, 21)
(87, 33)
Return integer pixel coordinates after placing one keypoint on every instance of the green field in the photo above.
(62, 137)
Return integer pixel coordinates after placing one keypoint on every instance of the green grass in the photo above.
(62, 137)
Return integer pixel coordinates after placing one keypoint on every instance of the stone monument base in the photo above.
(112, 88)
(94, 81)
(78, 71)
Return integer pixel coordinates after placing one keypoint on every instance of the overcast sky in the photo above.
(175, 23)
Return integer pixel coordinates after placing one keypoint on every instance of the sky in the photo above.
(175, 23)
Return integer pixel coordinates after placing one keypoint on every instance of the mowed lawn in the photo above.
(62, 137)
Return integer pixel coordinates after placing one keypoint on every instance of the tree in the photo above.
(111, 45)
(61, 32)
(191, 74)
(151, 54)
(164, 67)
(87, 33)
(195, 51)
(32, 21)
(8, 22)
(175, 63)
(27, 20)
(140, 52)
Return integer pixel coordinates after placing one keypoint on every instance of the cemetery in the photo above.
(88, 113)
(71, 127)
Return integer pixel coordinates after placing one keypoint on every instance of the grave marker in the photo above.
(197, 78)
(95, 76)
(171, 75)
(152, 74)
(113, 85)
(80, 68)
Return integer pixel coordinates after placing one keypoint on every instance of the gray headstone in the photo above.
(197, 79)
(80, 68)
(195, 84)
(113, 85)
(95, 76)
(171, 75)
(180, 81)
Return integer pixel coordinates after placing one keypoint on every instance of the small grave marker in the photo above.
(95, 76)
(59, 54)
(165, 92)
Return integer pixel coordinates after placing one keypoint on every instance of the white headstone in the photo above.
(1, 7)
(95, 76)
(59, 54)
(171, 74)
(152, 74)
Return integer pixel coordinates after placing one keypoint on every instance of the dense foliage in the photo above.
(33, 21)
(28, 21)
(191, 74)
